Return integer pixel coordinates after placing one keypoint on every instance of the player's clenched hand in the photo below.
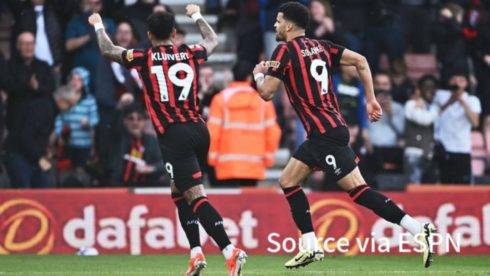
(94, 19)
(374, 110)
(260, 68)
(192, 9)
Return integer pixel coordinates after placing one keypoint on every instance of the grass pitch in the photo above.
(256, 265)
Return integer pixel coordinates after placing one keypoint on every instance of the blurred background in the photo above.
(430, 61)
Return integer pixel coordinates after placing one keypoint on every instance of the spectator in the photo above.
(482, 65)
(350, 94)
(384, 145)
(352, 14)
(81, 42)
(420, 115)
(244, 132)
(3, 96)
(179, 37)
(137, 158)
(248, 31)
(450, 43)
(116, 81)
(387, 131)
(322, 24)
(40, 19)
(384, 32)
(116, 86)
(3, 72)
(418, 16)
(137, 14)
(78, 122)
(28, 78)
(459, 113)
(207, 89)
(268, 13)
(403, 87)
(28, 158)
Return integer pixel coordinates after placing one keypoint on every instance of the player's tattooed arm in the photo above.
(266, 85)
(210, 39)
(107, 48)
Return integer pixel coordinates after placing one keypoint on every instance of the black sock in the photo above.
(378, 203)
(300, 208)
(211, 220)
(188, 220)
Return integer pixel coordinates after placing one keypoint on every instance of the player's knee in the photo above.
(193, 193)
(287, 182)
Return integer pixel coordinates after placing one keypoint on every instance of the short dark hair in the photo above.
(133, 108)
(460, 72)
(161, 24)
(296, 13)
(381, 73)
(426, 78)
(242, 70)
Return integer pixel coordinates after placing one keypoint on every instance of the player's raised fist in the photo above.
(192, 9)
(94, 19)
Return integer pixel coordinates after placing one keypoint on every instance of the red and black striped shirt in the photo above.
(304, 65)
(170, 78)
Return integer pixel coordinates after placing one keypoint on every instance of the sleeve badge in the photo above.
(129, 55)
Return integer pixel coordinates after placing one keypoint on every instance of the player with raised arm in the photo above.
(304, 66)
(170, 77)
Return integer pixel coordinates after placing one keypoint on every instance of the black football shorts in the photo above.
(184, 149)
(329, 152)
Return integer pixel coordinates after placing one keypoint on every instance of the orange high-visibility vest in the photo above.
(244, 133)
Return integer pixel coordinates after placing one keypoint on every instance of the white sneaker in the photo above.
(425, 238)
(304, 258)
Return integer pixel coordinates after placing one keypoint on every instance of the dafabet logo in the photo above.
(330, 214)
(25, 226)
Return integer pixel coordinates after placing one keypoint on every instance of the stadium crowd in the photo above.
(70, 118)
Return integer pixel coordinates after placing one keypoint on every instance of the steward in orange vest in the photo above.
(244, 134)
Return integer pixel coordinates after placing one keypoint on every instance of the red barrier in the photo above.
(120, 221)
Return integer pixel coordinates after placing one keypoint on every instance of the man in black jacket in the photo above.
(115, 87)
(28, 78)
(39, 18)
(27, 143)
(450, 43)
(137, 160)
(3, 83)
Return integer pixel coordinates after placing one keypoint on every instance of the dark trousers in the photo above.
(106, 132)
(455, 168)
(388, 39)
(78, 156)
(24, 174)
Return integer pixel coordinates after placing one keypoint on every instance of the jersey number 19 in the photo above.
(185, 83)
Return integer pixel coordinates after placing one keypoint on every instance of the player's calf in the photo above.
(387, 209)
(311, 251)
(378, 203)
(188, 220)
(210, 219)
(300, 208)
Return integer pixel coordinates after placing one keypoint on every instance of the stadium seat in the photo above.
(392, 182)
(479, 153)
(486, 134)
(421, 64)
